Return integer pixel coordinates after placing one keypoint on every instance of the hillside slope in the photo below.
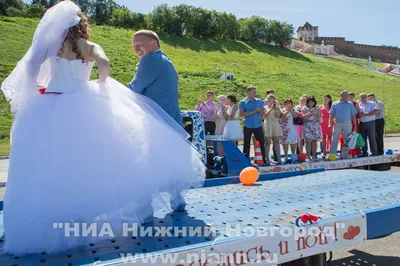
(291, 74)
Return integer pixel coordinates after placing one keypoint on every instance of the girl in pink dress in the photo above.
(326, 131)
(221, 109)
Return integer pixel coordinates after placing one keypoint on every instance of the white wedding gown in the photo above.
(92, 154)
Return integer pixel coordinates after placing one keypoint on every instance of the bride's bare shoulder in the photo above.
(93, 52)
(87, 47)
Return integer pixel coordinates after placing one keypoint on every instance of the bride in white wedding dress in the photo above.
(84, 151)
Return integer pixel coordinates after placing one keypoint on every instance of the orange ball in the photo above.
(249, 175)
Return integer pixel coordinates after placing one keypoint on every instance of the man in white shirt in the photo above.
(368, 110)
(379, 123)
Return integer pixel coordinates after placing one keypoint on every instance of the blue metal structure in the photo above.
(211, 146)
(271, 202)
(235, 159)
(194, 124)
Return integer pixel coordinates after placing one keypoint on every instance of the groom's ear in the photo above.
(155, 44)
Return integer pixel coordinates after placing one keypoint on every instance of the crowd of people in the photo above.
(295, 126)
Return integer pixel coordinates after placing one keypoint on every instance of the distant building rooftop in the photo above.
(308, 25)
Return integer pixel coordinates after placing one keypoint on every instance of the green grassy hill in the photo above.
(291, 74)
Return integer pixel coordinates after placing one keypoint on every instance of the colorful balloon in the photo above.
(249, 175)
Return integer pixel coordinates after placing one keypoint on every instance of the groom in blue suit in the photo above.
(156, 77)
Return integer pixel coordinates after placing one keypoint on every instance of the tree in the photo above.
(228, 26)
(213, 29)
(287, 33)
(101, 11)
(15, 12)
(177, 20)
(156, 17)
(84, 5)
(35, 11)
(254, 29)
(204, 23)
(273, 31)
(40, 2)
(5, 4)
(122, 17)
(244, 33)
(45, 3)
(283, 33)
(184, 14)
(139, 21)
(166, 20)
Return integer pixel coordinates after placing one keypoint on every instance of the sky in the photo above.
(363, 21)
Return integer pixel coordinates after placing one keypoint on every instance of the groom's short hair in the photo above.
(149, 34)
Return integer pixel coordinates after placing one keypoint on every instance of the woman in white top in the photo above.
(221, 109)
(233, 130)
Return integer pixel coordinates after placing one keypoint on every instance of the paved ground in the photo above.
(379, 252)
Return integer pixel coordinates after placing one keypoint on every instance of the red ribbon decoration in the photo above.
(43, 91)
(305, 218)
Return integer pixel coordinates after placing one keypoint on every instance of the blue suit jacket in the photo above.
(157, 79)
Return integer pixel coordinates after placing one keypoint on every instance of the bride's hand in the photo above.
(102, 62)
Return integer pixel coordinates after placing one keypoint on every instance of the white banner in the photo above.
(332, 165)
(333, 235)
(270, 246)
